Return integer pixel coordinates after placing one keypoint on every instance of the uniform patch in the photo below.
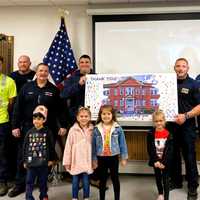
(49, 94)
(185, 90)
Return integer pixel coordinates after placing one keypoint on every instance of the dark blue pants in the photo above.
(184, 141)
(4, 132)
(42, 174)
(75, 185)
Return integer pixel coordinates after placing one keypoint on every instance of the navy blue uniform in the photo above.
(75, 93)
(29, 98)
(185, 135)
(198, 118)
(21, 79)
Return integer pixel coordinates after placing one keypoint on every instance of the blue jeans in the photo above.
(42, 174)
(75, 185)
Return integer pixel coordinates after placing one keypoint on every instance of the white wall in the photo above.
(34, 28)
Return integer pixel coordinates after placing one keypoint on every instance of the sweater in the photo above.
(78, 150)
(38, 147)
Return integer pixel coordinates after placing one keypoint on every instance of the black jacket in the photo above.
(30, 97)
(74, 92)
(20, 79)
(151, 148)
(38, 147)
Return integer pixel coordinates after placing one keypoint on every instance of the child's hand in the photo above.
(25, 165)
(94, 164)
(67, 167)
(123, 162)
(157, 164)
(50, 163)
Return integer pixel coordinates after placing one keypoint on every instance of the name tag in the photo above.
(185, 90)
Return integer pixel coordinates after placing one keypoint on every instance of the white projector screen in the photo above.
(146, 46)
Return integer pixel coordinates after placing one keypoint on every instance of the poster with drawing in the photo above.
(135, 96)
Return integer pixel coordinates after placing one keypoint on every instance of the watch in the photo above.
(186, 116)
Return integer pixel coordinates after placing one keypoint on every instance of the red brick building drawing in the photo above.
(131, 96)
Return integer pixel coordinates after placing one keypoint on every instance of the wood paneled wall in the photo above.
(7, 52)
(137, 145)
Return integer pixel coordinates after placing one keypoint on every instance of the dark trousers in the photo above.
(4, 132)
(75, 185)
(162, 182)
(42, 174)
(111, 163)
(184, 141)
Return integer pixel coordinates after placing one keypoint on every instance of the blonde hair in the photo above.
(158, 113)
(83, 109)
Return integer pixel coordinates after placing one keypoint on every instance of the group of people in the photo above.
(36, 113)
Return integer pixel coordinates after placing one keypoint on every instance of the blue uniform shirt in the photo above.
(188, 94)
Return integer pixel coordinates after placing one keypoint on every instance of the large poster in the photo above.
(135, 97)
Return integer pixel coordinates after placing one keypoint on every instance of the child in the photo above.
(77, 157)
(159, 146)
(108, 144)
(39, 153)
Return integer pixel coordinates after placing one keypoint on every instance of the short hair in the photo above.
(158, 113)
(85, 56)
(1, 59)
(184, 59)
(41, 64)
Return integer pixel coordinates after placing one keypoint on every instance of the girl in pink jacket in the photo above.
(77, 158)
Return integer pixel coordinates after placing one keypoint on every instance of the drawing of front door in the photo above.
(130, 105)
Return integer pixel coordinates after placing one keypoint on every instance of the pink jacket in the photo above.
(78, 150)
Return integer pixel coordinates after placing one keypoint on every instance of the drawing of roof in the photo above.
(129, 81)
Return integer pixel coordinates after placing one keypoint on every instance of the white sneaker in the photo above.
(160, 197)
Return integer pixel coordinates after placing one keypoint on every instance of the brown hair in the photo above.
(85, 56)
(109, 108)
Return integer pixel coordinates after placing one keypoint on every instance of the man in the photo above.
(34, 93)
(74, 86)
(24, 74)
(7, 94)
(21, 76)
(185, 135)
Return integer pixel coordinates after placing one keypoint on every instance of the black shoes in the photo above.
(3, 189)
(174, 186)
(192, 194)
(16, 191)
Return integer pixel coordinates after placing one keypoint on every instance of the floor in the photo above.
(132, 188)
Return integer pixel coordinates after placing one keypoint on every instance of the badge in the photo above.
(34, 154)
(29, 159)
(185, 90)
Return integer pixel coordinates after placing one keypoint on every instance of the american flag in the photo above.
(60, 57)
